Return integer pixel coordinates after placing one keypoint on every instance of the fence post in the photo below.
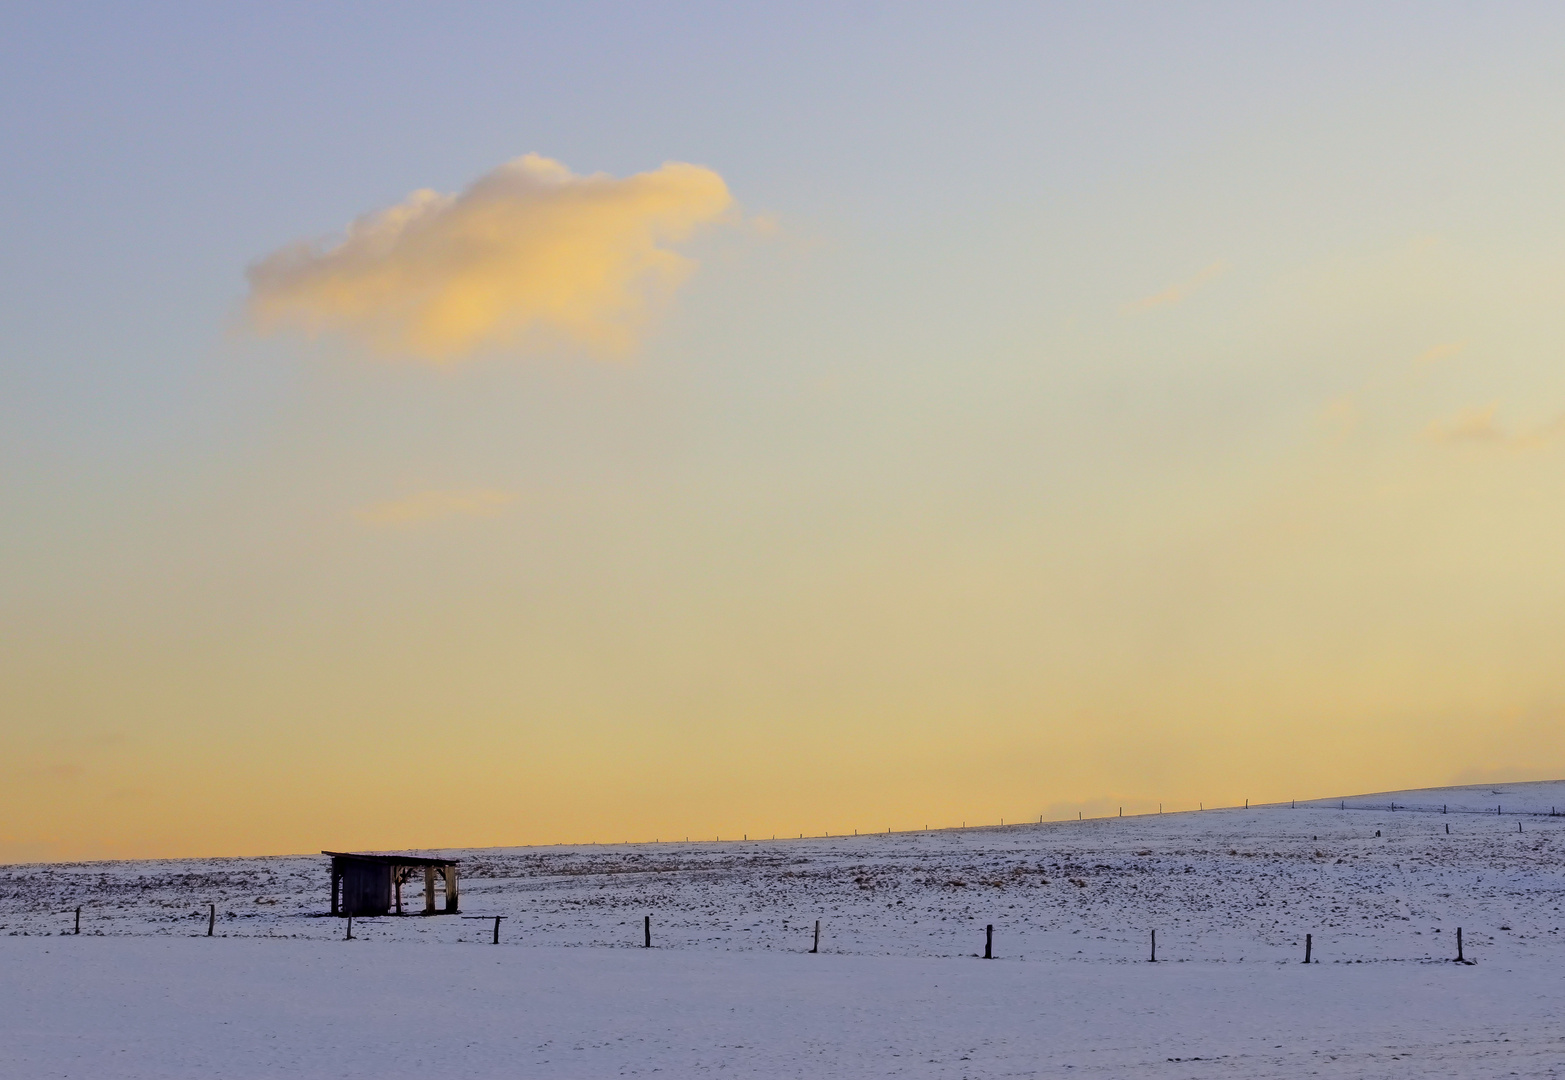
(817, 946)
(646, 927)
(1459, 945)
(497, 930)
(1153, 958)
(989, 942)
(1307, 943)
(350, 927)
(78, 919)
(211, 919)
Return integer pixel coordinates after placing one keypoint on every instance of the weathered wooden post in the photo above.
(1307, 948)
(211, 919)
(1459, 945)
(78, 920)
(1153, 958)
(452, 905)
(497, 919)
(429, 890)
(646, 929)
(817, 946)
(350, 927)
(989, 942)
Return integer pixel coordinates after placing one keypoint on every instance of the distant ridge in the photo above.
(1525, 797)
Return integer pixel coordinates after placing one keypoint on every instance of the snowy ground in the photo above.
(897, 991)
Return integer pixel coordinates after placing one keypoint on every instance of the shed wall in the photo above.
(366, 888)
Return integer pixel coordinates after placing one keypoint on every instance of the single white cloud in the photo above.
(527, 254)
(433, 505)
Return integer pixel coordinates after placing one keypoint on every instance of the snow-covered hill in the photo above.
(1231, 893)
(1219, 885)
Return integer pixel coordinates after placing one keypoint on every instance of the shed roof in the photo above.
(391, 860)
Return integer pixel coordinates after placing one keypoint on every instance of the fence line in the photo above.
(1415, 808)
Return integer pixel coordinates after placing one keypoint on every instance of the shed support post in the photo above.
(429, 890)
(396, 885)
(451, 891)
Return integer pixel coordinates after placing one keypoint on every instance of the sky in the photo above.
(555, 423)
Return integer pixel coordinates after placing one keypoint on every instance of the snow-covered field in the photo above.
(897, 989)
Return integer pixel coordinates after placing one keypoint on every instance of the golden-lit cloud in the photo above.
(1469, 425)
(1540, 436)
(1439, 352)
(66, 770)
(1341, 413)
(435, 505)
(528, 254)
(1478, 425)
(1181, 291)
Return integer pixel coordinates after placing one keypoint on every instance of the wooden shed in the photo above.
(372, 884)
